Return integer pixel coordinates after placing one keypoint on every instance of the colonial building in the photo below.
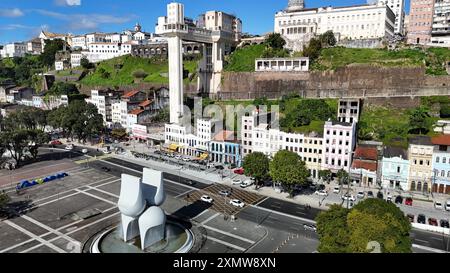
(364, 166)
(395, 168)
(420, 155)
(103, 100)
(441, 164)
(300, 64)
(14, 50)
(298, 24)
(34, 46)
(100, 51)
(225, 149)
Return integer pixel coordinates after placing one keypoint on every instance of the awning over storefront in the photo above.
(203, 156)
(173, 146)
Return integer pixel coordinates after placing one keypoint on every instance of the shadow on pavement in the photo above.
(192, 210)
(16, 209)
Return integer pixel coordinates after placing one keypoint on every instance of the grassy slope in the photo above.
(130, 64)
(243, 60)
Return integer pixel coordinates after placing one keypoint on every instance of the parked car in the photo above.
(178, 157)
(411, 217)
(398, 199)
(389, 198)
(186, 159)
(370, 194)
(207, 199)
(409, 201)
(189, 182)
(84, 151)
(360, 195)
(444, 223)
(56, 142)
(247, 183)
(239, 171)
(106, 169)
(310, 227)
(69, 147)
(336, 190)
(236, 182)
(237, 203)
(421, 219)
(321, 193)
(432, 222)
(438, 205)
(447, 205)
(349, 197)
(225, 193)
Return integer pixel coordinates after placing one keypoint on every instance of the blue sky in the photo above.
(23, 19)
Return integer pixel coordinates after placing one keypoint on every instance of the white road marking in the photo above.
(29, 219)
(32, 235)
(229, 234)
(423, 241)
(428, 248)
(209, 219)
(285, 214)
(225, 243)
(184, 193)
(102, 191)
(264, 199)
(203, 212)
(96, 197)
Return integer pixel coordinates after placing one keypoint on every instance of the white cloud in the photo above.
(371, 2)
(11, 12)
(68, 2)
(85, 21)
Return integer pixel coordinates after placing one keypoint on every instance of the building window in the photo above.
(437, 159)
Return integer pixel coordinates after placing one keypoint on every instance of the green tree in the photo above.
(419, 120)
(327, 39)
(343, 176)
(313, 49)
(4, 199)
(15, 141)
(140, 74)
(119, 133)
(325, 175)
(84, 62)
(36, 139)
(63, 88)
(256, 165)
(47, 57)
(288, 169)
(333, 230)
(372, 220)
(275, 41)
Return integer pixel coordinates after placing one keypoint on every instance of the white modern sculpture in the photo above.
(135, 196)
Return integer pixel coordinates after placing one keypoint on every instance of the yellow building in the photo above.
(420, 154)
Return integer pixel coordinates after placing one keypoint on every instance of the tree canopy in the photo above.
(306, 111)
(47, 57)
(372, 221)
(256, 165)
(275, 41)
(63, 88)
(288, 169)
(419, 120)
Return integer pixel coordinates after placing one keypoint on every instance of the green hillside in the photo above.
(243, 60)
(119, 71)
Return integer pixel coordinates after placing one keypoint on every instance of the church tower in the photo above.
(137, 27)
(295, 5)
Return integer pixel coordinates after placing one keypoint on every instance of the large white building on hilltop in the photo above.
(369, 21)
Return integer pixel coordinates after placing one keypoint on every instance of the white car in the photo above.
(361, 195)
(247, 183)
(336, 190)
(207, 199)
(236, 182)
(310, 227)
(349, 197)
(178, 157)
(186, 159)
(69, 147)
(438, 205)
(237, 203)
(321, 193)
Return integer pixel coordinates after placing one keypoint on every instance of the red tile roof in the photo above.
(369, 153)
(441, 140)
(366, 165)
(136, 111)
(224, 135)
(130, 94)
(145, 103)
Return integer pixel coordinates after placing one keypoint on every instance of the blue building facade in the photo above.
(441, 164)
(225, 152)
(395, 168)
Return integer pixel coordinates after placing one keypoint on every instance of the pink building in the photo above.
(420, 21)
(339, 142)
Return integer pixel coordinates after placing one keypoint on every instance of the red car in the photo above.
(408, 201)
(239, 171)
(432, 222)
(56, 142)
